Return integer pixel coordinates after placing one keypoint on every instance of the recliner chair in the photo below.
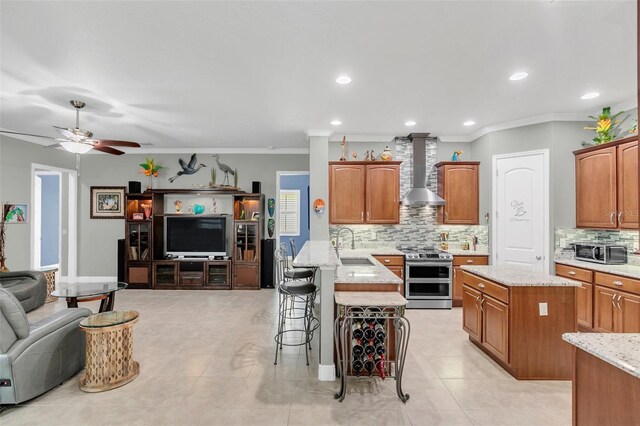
(29, 287)
(37, 357)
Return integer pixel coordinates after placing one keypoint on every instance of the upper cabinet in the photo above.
(364, 192)
(607, 185)
(458, 185)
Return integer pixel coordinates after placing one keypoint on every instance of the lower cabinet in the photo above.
(584, 305)
(393, 263)
(495, 327)
(616, 311)
(471, 313)
(457, 274)
(176, 274)
(246, 276)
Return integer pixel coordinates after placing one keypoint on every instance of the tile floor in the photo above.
(207, 358)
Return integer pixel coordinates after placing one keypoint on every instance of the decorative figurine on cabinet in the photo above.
(225, 169)
(343, 146)
(354, 155)
(187, 169)
(386, 154)
(456, 155)
(367, 156)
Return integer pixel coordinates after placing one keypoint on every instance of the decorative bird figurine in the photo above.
(226, 170)
(456, 155)
(187, 169)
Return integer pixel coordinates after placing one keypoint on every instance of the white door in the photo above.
(521, 206)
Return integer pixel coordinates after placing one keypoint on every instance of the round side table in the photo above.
(109, 352)
(50, 276)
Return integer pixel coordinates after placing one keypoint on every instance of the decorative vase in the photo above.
(198, 209)
(386, 154)
(271, 227)
(147, 212)
(150, 183)
(271, 206)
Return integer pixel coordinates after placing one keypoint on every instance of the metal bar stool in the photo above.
(290, 293)
(291, 272)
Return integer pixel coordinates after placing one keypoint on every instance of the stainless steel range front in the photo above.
(428, 278)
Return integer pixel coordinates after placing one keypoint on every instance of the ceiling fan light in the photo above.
(76, 147)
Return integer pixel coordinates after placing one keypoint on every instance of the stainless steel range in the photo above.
(428, 278)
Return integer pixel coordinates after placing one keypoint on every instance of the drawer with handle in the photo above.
(390, 260)
(618, 282)
(574, 273)
(485, 286)
(470, 260)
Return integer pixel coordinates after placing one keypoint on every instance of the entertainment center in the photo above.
(201, 248)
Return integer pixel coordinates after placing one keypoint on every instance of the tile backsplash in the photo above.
(417, 225)
(564, 237)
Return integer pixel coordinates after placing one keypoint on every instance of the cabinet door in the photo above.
(628, 185)
(596, 182)
(629, 316)
(247, 276)
(457, 286)
(346, 193)
(460, 191)
(584, 302)
(471, 314)
(495, 327)
(605, 309)
(382, 194)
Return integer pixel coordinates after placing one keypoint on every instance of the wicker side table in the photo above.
(50, 276)
(109, 352)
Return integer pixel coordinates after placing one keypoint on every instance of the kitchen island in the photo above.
(518, 317)
(606, 380)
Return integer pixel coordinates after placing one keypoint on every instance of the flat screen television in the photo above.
(196, 236)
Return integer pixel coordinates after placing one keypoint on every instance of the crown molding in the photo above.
(362, 138)
(318, 132)
(151, 150)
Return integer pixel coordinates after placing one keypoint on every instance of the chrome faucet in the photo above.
(353, 240)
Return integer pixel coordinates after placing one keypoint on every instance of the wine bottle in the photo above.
(380, 349)
(369, 333)
(356, 347)
(369, 366)
(356, 330)
(369, 349)
(356, 366)
(380, 332)
(379, 362)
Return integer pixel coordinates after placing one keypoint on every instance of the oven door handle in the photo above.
(448, 264)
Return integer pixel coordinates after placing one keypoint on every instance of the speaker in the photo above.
(267, 247)
(135, 187)
(121, 259)
(256, 187)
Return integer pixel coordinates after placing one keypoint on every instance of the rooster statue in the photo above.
(456, 155)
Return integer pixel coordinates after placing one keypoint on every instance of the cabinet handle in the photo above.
(368, 215)
(446, 215)
(362, 216)
(480, 285)
(481, 302)
(619, 299)
(387, 261)
(572, 272)
(613, 300)
(620, 217)
(611, 216)
(469, 261)
(618, 283)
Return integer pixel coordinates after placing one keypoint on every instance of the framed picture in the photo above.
(107, 202)
(255, 216)
(15, 213)
(138, 216)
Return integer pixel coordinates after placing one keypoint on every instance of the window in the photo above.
(289, 212)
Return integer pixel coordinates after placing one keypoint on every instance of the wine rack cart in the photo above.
(362, 307)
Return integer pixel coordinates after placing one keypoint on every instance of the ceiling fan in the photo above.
(80, 141)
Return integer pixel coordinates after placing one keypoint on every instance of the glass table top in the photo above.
(87, 289)
(108, 319)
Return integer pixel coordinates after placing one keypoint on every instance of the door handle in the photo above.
(538, 257)
(611, 216)
(619, 299)
(620, 217)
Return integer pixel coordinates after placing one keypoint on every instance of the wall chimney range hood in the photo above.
(419, 195)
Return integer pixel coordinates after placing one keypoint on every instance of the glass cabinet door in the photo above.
(246, 242)
(139, 241)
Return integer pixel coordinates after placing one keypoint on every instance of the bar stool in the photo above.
(292, 294)
(291, 272)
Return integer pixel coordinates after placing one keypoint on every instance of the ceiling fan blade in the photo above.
(55, 145)
(66, 132)
(107, 149)
(26, 134)
(110, 142)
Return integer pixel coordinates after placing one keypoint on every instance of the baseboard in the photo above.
(326, 372)
(88, 279)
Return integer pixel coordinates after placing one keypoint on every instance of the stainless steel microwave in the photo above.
(601, 253)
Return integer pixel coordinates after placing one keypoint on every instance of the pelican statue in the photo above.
(226, 169)
(187, 169)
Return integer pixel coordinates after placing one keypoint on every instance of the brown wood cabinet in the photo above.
(605, 302)
(364, 192)
(506, 324)
(457, 274)
(394, 263)
(458, 185)
(607, 185)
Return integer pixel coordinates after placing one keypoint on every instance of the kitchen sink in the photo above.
(347, 261)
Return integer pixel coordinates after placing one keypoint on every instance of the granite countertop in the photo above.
(630, 271)
(364, 274)
(374, 251)
(459, 252)
(512, 276)
(369, 298)
(320, 254)
(622, 350)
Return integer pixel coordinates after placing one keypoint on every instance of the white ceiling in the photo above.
(252, 74)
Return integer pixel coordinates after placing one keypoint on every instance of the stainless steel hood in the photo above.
(419, 195)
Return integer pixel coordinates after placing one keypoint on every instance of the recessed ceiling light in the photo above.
(518, 76)
(409, 123)
(343, 79)
(336, 122)
(469, 123)
(590, 95)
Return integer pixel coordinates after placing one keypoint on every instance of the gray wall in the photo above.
(446, 149)
(335, 149)
(16, 158)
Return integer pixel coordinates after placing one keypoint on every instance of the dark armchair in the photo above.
(29, 287)
(36, 357)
